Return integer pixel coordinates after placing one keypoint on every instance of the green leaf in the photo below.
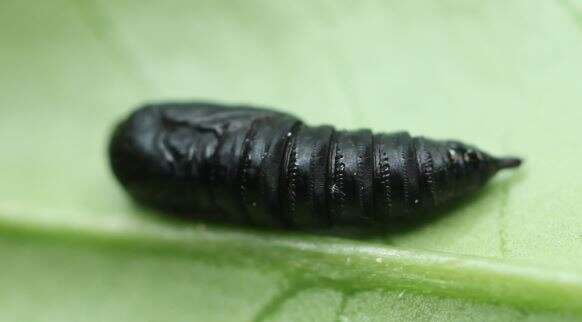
(502, 74)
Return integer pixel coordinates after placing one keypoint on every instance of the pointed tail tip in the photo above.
(508, 163)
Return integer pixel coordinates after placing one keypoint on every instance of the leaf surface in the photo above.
(504, 75)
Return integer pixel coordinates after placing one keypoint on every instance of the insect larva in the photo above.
(268, 168)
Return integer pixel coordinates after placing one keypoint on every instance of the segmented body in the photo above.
(269, 168)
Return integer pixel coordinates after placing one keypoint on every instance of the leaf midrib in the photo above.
(324, 260)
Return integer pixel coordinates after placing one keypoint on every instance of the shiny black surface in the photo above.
(258, 166)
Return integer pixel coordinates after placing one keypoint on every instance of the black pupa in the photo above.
(262, 167)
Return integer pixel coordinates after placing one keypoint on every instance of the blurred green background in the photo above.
(505, 75)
